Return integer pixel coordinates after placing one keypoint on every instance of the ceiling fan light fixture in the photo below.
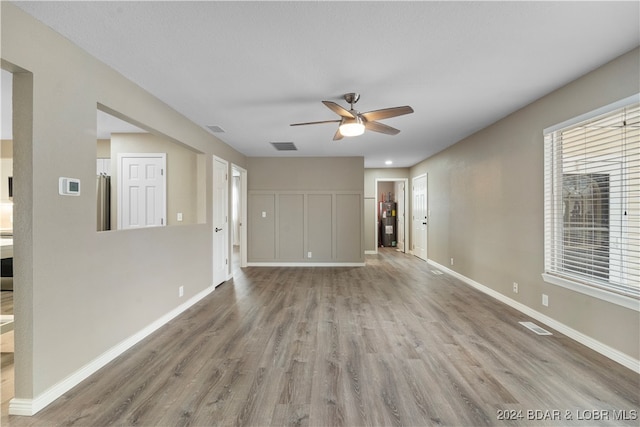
(352, 123)
(352, 127)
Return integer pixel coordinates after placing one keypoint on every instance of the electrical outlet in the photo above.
(545, 300)
(515, 287)
(309, 254)
(179, 216)
(181, 291)
(451, 261)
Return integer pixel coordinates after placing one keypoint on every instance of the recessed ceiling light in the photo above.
(388, 162)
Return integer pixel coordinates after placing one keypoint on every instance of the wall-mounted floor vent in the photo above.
(535, 328)
(284, 146)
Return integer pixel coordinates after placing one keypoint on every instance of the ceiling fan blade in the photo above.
(338, 109)
(338, 136)
(386, 113)
(314, 123)
(382, 128)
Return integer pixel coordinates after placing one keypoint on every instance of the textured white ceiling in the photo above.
(253, 68)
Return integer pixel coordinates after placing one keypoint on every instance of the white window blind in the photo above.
(592, 201)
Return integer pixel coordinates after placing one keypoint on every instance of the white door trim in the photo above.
(405, 181)
(224, 225)
(243, 213)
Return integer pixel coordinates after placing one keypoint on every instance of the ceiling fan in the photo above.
(353, 123)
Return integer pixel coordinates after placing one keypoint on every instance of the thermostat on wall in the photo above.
(68, 186)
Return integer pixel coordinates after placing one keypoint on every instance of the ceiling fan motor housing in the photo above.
(351, 97)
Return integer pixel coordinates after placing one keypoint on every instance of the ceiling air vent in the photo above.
(215, 129)
(284, 146)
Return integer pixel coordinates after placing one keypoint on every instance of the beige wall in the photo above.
(306, 173)
(384, 188)
(78, 293)
(301, 205)
(486, 199)
(104, 149)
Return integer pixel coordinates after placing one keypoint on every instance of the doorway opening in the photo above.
(238, 217)
(7, 331)
(391, 208)
(17, 127)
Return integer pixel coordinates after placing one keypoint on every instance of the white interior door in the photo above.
(220, 221)
(420, 217)
(142, 190)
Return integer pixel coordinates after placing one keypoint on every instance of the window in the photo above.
(592, 203)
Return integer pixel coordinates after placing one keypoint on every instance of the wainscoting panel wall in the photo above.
(290, 231)
(261, 216)
(349, 245)
(305, 227)
(320, 226)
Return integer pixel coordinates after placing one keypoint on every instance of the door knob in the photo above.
(218, 229)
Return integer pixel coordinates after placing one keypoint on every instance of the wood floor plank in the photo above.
(387, 344)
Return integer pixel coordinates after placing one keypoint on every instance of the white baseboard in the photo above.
(305, 264)
(29, 407)
(21, 407)
(607, 351)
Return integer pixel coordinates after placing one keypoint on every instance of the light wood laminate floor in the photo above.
(388, 344)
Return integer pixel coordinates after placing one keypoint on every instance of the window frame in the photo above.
(552, 224)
